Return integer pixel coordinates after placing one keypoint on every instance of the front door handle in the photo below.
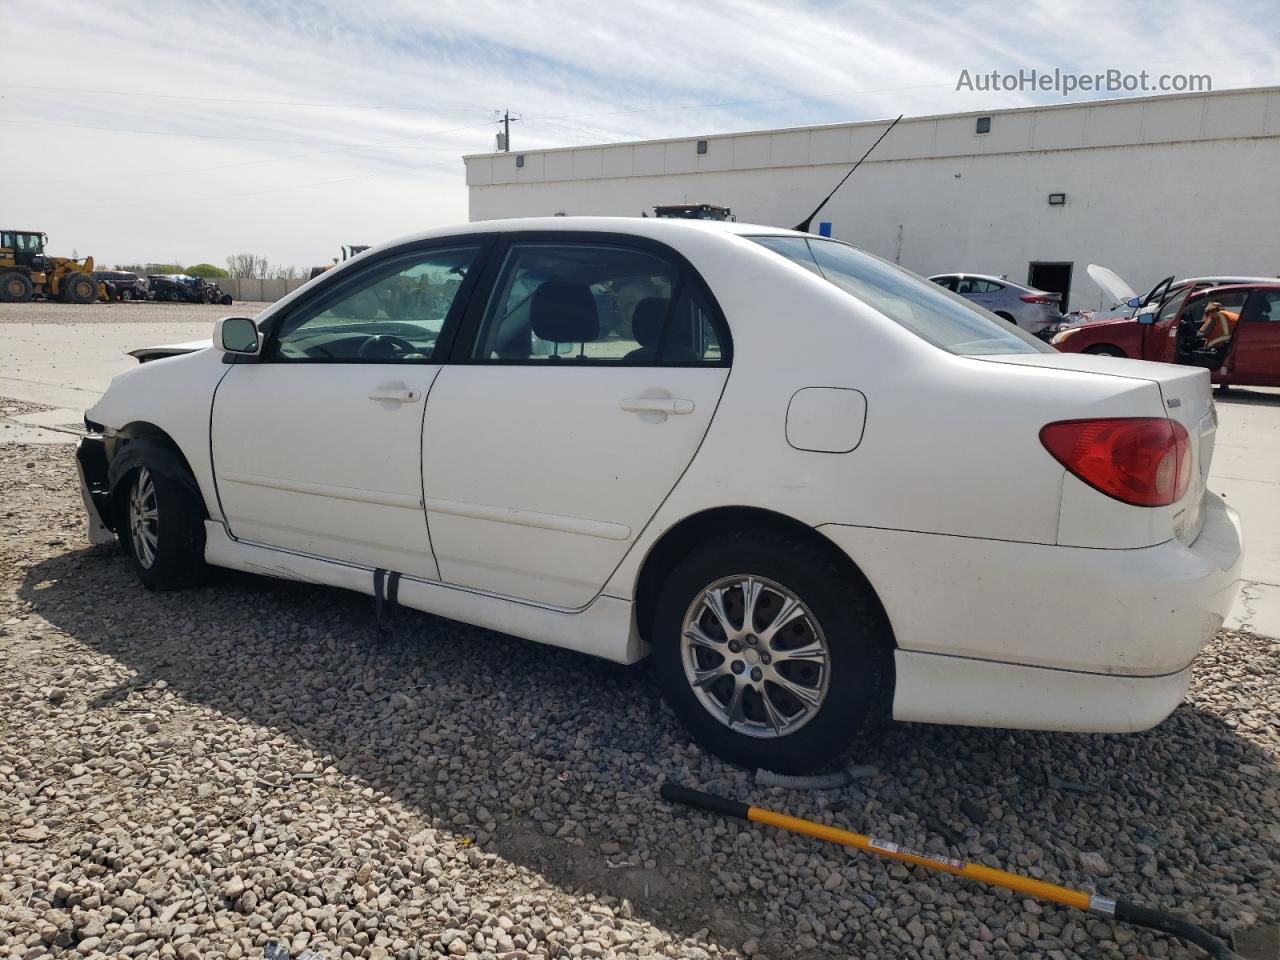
(668, 406)
(395, 394)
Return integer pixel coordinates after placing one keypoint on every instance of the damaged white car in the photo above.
(816, 488)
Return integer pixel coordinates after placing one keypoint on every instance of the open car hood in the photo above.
(1110, 283)
(143, 354)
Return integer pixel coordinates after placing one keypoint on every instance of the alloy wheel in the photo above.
(755, 656)
(144, 518)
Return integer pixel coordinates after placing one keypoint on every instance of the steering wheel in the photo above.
(385, 345)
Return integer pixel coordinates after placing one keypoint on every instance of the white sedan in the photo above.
(816, 488)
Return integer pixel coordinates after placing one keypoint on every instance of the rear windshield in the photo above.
(926, 309)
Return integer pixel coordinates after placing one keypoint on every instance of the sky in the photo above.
(171, 131)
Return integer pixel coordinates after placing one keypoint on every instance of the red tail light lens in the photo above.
(1032, 298)
(1145, 461)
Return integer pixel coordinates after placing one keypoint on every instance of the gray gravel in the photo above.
(51, 311)
(206, 773)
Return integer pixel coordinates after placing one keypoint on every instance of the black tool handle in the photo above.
(674, 793)
(1159, 920)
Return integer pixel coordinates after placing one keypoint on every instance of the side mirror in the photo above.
(1134, 302)
(1146, 318)
(237, 335)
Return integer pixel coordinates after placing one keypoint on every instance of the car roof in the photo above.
(656, 227)
(1266, 284)
(1222, 279)
(978, 276)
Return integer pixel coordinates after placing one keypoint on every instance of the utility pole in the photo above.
(507, 120)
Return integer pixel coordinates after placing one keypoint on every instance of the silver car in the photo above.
(1025, 307)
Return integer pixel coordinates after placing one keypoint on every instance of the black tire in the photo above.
(176, 556)
(15, 287)
(171, 296)
(80, 288)
(1004, 316)
(225, 300)
(858, 642)
(1104, 350)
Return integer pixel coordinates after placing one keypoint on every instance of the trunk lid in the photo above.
(1186, 394)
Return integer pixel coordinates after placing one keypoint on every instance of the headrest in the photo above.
(646, 320)
(564, 312)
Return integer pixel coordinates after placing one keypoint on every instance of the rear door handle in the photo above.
(670, 406)
(395, 394)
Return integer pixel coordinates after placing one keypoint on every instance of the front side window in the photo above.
(938, 316)
(392, 311)
(594, 303)
(1231, 300)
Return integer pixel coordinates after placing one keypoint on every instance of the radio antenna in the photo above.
(803, 225)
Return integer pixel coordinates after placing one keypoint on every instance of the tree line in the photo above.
(238, 265)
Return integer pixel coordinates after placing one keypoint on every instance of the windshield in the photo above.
(926, 309)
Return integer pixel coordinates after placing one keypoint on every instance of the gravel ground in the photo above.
(141, 311)
(207, 773)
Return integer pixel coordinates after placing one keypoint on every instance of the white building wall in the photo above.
(1186, 185)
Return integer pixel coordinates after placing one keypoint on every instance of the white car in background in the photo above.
(815, 487)
(1025, 307)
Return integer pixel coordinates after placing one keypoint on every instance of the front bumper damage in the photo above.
(91, 465)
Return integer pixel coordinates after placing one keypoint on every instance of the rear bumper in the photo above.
(979, 693)
(1035, 636)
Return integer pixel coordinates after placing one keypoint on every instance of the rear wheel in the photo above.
(1104, 350)
(79, 288)
(171, 296)
(15, 288)
(161, 525)
(772, 654)
(1005, 316)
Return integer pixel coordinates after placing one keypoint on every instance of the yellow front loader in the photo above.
(26, 272)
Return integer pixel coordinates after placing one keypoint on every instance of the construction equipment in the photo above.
(26, 271)
(1122, 910)
(693, 211)
(349, 251)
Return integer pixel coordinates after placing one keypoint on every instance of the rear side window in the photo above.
(977, 285)
(942, 318)
(594, 303)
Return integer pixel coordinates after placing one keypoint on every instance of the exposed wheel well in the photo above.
(1006, 316)
(140, 432)
(682, 537)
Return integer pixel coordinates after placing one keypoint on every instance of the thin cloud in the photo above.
(292, 127)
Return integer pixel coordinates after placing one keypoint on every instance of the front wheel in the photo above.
(15, 288)
(771, 653)
(1104, 350)
(161, 526)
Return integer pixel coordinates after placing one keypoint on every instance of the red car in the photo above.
(1170, 334)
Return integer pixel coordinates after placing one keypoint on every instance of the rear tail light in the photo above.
(1037, 298)
(1145, 461)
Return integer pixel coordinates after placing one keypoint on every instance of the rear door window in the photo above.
(595, 303)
